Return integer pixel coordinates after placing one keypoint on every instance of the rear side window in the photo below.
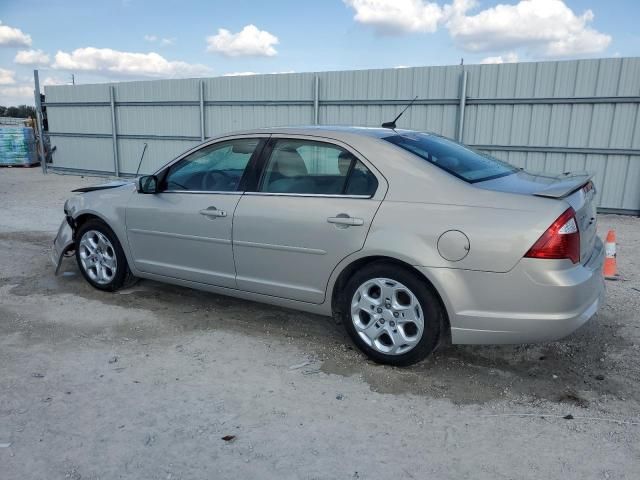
(361, 181)
(453, 157)
(315, 168)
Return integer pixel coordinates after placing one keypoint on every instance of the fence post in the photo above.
(114, 132)
(201, 111)
(463, 104)
(40, 143)
(316, 101)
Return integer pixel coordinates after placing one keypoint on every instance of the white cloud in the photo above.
(541, 28)
(32, 57)
(162, 41)
(13, 37)
(397, 16)
(510, 57)
(250, 41)
(22, 92)
(17, 95)
(246, 74)
(114, 62)
(54, 81)
(547, 28)
(7, 77)
(239, 74)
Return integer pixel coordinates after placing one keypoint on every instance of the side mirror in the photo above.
(147, 184)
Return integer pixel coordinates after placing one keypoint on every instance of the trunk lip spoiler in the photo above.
(566, 185)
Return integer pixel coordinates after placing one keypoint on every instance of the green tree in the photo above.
(21, 111)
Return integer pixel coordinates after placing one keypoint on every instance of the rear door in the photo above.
(185, 230)
(312, 206)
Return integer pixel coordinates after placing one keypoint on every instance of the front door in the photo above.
(185, 230)
(313, 207)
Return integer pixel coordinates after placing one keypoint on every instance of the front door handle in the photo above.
(346, 220)
(213, 212)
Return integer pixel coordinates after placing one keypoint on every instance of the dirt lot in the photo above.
(146, 382)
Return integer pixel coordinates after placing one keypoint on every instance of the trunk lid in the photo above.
(574, 188)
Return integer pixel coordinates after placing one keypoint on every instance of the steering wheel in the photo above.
(210, 183)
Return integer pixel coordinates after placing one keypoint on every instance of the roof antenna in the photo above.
(392, 125)
(144, 149)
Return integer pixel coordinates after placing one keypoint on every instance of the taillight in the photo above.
(561, 240)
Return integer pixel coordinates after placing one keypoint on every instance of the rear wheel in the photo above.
(391, 314)
(100, 257)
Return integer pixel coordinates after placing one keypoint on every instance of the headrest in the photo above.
(344, 162)
(289, 163)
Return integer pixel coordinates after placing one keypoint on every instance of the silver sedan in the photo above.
(409, 238)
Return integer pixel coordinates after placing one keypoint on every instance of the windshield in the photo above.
(452, 157)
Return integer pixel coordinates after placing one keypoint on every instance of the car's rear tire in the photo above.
(392, 314)
(100, 257)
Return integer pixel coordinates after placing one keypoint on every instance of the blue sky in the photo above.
(138, 39)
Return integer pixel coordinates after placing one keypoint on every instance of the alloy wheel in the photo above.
(387, 316)
(98, 257)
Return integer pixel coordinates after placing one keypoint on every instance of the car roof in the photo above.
(332, 131)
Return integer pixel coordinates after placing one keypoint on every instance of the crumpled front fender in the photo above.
(61, 245)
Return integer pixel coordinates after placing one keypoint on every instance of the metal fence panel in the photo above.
(82, 153)
(158, 120)
(158, 90)
(87, 119)
(545, 116)
(156, 155)
(220, 119)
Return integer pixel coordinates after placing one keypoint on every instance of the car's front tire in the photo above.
(392, 314)
(100, 257)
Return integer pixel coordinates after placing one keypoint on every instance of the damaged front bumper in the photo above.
(61, 245)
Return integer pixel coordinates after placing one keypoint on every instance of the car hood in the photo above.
(104, 186)
(539, 184)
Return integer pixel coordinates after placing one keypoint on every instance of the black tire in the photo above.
(433, 313)
(123, 277)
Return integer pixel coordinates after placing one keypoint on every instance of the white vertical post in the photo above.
(114, 132)
(316, 101)
(201, 111)
(463, 104)
(38, 102)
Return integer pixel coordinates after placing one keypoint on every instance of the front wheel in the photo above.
(100, 257)
(391, 314)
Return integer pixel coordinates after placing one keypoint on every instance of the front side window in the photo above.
(452, 157)
(214, 168)
(315, 168)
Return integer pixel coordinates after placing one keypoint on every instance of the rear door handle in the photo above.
(213, 212)
(344, 219)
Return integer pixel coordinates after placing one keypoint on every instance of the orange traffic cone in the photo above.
(610, 270)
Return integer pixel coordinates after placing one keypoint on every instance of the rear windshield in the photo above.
(452, 157)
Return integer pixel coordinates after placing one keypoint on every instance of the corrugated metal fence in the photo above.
(546, 116)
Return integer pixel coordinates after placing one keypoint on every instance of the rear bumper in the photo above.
(537, 301)
(61, 245)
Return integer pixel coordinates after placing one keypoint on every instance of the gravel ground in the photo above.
(145, 383)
